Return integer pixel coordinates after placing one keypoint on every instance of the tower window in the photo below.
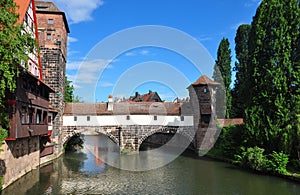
(50, 21)
(205, 90)
(48, 36)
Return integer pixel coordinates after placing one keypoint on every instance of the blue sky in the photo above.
(119, 47)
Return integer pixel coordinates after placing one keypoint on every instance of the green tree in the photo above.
(14, 49)
(69, 90)
(222, 74)
(274, 77)
(240, 90)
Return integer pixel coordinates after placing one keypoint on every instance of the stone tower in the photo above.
(202, 99)
(53, 32)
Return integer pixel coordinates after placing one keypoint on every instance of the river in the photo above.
(86, 173)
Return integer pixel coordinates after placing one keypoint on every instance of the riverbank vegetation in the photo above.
(266, 91)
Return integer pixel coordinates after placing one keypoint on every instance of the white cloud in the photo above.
(144, 52)
(78, 10)
(76, 86)
(91, 65)
(130, 54)
(106, 84)
(88, 71)
(204, 38)
(72, 39)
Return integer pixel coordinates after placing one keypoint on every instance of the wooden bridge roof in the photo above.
(126, 108)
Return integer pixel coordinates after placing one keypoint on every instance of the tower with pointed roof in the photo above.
(202, 100)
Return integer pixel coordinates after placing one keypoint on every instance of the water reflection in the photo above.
(86, 173)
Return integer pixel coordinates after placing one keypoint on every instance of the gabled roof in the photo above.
(22, 6)
(148, 97)
(205, 80)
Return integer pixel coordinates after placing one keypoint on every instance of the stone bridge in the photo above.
(129, 123)
(130, 137)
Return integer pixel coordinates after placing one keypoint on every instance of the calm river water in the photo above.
(85, 173)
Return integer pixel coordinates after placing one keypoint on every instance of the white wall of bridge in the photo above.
(115, 120)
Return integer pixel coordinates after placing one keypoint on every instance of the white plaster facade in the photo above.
(30, 28)
(116, 120)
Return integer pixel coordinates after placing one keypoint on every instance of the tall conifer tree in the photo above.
(240, 91)
(271, 120)
(222, 74)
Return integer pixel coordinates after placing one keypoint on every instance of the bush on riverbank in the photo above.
(233, 145)
(254, 158)
(229, 143)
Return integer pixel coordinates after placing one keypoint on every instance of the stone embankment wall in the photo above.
(19, 157)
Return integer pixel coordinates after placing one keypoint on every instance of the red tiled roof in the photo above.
(234, 121)
(148, 97)
(166, 108)
(86, 108)
(204, 80)
(22, 6)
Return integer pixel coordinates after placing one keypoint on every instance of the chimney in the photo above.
(137, 94)
(110, 103)
(150, 91)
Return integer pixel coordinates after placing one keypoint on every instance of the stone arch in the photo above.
(67, 135)
(170, 130)
(110, 136)
(70, 131)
